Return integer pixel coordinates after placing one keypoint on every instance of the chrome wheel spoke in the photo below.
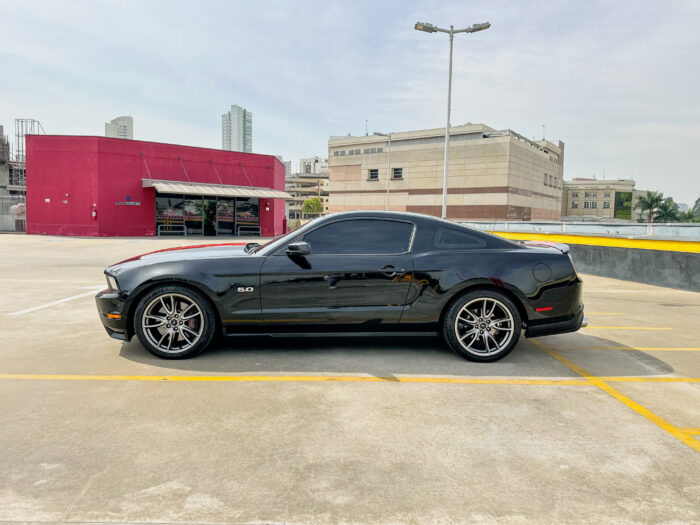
(191, 316)
(489, 336)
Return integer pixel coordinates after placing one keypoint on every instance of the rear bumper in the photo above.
(110, 307)
(572, 324)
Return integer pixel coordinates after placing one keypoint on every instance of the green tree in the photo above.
(696, 207)
(312, 206)
(667, 211)
(650, 203)
(688, 216)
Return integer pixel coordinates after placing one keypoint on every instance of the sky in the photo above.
(618, 81)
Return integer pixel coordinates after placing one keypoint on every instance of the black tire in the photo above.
(474, 337)
(181, 316)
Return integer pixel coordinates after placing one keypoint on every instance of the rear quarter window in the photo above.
(449, 239)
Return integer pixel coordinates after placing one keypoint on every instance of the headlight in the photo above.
(112, 283)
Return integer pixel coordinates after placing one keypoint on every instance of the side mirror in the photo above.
(251, 246)
(298, 249)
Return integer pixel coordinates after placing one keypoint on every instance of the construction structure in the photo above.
(492, 174)
(24, 127)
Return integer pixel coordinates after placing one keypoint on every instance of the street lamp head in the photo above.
(424, 26)
(479, 27)
(381, 134)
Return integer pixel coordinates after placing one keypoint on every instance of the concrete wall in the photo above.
(661, 268)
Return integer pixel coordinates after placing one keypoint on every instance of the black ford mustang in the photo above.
(364, 271)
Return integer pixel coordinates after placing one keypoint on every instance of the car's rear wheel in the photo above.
(174, 322)
(482, 325)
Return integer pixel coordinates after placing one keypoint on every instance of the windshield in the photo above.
(274, 243)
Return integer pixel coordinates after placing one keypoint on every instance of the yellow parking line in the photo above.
(676, 432)
(367, 379)
(691, 430)
(627, 328)
(634, 379)
(645, 348)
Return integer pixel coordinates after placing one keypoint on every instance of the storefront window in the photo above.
(193, 215)
(247, 215)
(206, 216)
(224, 216)
(169, 214)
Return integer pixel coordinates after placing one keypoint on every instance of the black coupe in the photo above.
(364, 271)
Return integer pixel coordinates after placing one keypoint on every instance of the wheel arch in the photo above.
(491, 287)
(149, 286)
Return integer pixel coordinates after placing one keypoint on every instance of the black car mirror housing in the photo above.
(298, 249)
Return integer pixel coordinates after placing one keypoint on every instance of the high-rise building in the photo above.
(120, 128)
(237, 130)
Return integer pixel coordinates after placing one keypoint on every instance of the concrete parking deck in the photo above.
(597, 426)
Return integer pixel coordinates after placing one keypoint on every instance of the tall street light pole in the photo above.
(388, 161)
(430, 28)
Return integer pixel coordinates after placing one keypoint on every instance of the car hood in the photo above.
(182, 253)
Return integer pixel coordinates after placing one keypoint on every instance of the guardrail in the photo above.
(675, 230)
(242, 230)
(169, 229)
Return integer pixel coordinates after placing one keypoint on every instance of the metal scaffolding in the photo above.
(23, 127)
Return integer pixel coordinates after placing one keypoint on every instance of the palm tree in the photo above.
(687, 216)
(667, 211)
(650, 202)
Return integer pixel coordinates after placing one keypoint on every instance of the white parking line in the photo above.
(92, 291)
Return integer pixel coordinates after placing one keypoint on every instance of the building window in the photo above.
(373, 174)
(606, 195)
(574, 205)
(575, 194)
(366, 151)
(351, 152)
(397, 173)
(545, 179)
(606, 205)
(339, 153)
(357, 152)
(380, 150)
(591, 194)
(592, 205)
(373, 150)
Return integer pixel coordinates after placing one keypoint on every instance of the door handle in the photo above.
(391, 271)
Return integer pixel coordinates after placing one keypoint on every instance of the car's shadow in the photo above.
(399, 355)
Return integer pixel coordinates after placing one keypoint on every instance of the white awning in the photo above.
(213, 190)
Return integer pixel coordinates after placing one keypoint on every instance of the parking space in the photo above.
(600, 425)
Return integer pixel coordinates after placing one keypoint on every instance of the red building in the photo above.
(98, 186)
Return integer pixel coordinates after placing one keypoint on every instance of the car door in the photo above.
(357, 274)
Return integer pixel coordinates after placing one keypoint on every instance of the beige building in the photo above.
(492, 174)
(304, 186)
(605, 199)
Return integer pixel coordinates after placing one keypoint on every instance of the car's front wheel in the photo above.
(174, 322)
(482, 325)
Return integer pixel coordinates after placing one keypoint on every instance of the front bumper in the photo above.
(110, 306)
(562, 326)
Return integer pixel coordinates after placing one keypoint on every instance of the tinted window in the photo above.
(361, 236)
(447, 239)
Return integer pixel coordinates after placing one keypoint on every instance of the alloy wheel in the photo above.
(173, 322)
(484, 326)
